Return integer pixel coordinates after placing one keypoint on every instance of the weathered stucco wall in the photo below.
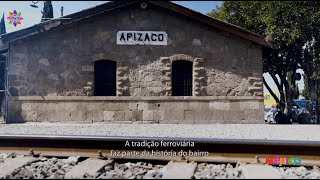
(60, 62)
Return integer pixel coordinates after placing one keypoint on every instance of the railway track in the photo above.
(175, 150)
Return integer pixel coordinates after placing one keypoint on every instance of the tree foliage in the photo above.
(47, 11)
(2, 25)
(292, 25)
(2, 58)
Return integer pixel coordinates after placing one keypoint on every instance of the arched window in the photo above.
(181, 78)
(105, 78)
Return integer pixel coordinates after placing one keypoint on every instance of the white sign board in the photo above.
(142, 37)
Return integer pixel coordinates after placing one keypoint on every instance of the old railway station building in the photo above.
(134, 62)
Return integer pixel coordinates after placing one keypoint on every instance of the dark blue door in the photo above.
(105, 78)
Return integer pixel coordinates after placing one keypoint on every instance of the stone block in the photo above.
(124, 122)
(235, 105)
(219, 105)
(158, 115)
(204, 122)
(111, 106)
(179, 170)
(147, 115)
(258, 121)
(128, 115)
(66, 106)
(11, 164)
(119, 115)
(48, 116)
(91, 106)
(123, 106)
(254, 79)
(258, 171)
(189, 115)
(196, 42)
(217, 115)
(133, 106)
(190, 121)
(138, 115)
(92, 116)
(251, 89)
(173, 115)
(31, 115)
(178, 105)
(169, 122)
(108, 115)
(234, 115)
(249, 105)
(76, 115)
(203, 115)
(137, 122)
(54, 77)
(98, 116)
(142, 105)
(89, 166)
(151, 122)
(157, 105)
(26, 107)
(48, 106)
(199, 106)
(63, 116)
(253, 114)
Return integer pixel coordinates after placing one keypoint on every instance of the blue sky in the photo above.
(33, 15)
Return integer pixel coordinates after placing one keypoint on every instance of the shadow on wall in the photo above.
(15, 118)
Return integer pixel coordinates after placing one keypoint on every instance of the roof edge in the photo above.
(109, 6)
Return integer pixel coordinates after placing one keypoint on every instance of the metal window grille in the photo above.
(105, 78)
(182, 78)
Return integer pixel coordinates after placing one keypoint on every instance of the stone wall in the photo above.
(60, 62)
(127, 110)
(51, 74)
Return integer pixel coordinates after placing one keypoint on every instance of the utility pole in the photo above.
(61, 11)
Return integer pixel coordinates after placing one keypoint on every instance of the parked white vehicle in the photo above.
(269, 116)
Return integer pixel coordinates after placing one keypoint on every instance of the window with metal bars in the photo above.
(105, 78)
(181, 78)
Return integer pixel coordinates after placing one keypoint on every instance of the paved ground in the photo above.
(229, 131)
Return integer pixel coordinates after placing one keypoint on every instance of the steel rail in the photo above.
(219, 150)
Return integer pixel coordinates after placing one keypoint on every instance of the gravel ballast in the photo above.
(46, 168)
(53, 168)
(227, 131)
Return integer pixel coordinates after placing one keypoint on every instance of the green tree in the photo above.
(2, 65)
(2, 25)
(2, 58)
(288, 24)
(47, 11)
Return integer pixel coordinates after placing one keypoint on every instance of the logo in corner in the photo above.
(15, 18)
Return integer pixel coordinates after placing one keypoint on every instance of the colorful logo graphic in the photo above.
(15, 18)
(283, 160)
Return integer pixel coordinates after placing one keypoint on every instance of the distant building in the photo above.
(269, 101)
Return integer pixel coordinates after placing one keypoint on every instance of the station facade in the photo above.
(135, 62)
